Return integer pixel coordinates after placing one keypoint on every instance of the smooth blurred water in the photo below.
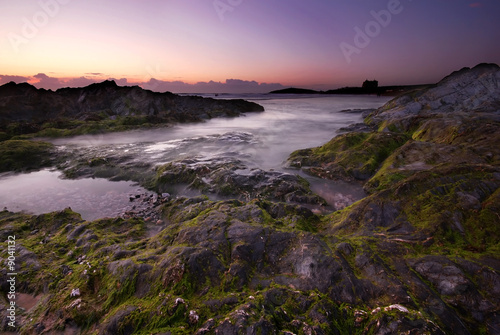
(262, 140)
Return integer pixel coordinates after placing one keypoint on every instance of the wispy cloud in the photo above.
(476, 5)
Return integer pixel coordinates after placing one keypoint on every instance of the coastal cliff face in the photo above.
(418, 255)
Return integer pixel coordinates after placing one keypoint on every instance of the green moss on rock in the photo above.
(23, 155)
(352, 155)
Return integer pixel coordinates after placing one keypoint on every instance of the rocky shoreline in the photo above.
(417, 255)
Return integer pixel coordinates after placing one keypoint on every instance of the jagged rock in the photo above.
(466, 92)
(119, 324)
(230, 177)
(23, 102)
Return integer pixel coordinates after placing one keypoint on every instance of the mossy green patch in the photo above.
(4, 136)
(23, 155)
(356, 155)
(450, 208)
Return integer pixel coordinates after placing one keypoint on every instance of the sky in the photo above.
(243, 46)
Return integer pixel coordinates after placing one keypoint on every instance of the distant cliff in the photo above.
(106, 100)
(293, 90)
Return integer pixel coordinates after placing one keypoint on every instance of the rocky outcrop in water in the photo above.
(231, 178)
(219, 177)
(29, 108)
(418, 255)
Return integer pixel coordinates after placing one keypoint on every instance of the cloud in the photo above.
(53, 83)
(4, 79)
(476, 5)
(44, 81)
(234, 86)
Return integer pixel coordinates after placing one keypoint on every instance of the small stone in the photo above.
(396, 306)
(193, 317)
(75, 303)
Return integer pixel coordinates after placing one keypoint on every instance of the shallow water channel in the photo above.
(260, 140)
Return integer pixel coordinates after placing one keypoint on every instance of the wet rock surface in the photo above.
(417, 255)
(232, 178)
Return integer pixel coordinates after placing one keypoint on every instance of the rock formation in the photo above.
(30, 108)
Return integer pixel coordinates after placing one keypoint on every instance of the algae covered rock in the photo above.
(22, 155)
(249, 266)
(228, 177)
(355, 155)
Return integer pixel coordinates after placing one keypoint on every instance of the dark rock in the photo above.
(228, 177)
(275, 297)
(119, 324)
(65, 270)
(357, 127)
(77, 231)
(216, 305)
(24, 102)
(345, 248)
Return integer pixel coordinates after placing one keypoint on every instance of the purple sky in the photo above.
(243, 45)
